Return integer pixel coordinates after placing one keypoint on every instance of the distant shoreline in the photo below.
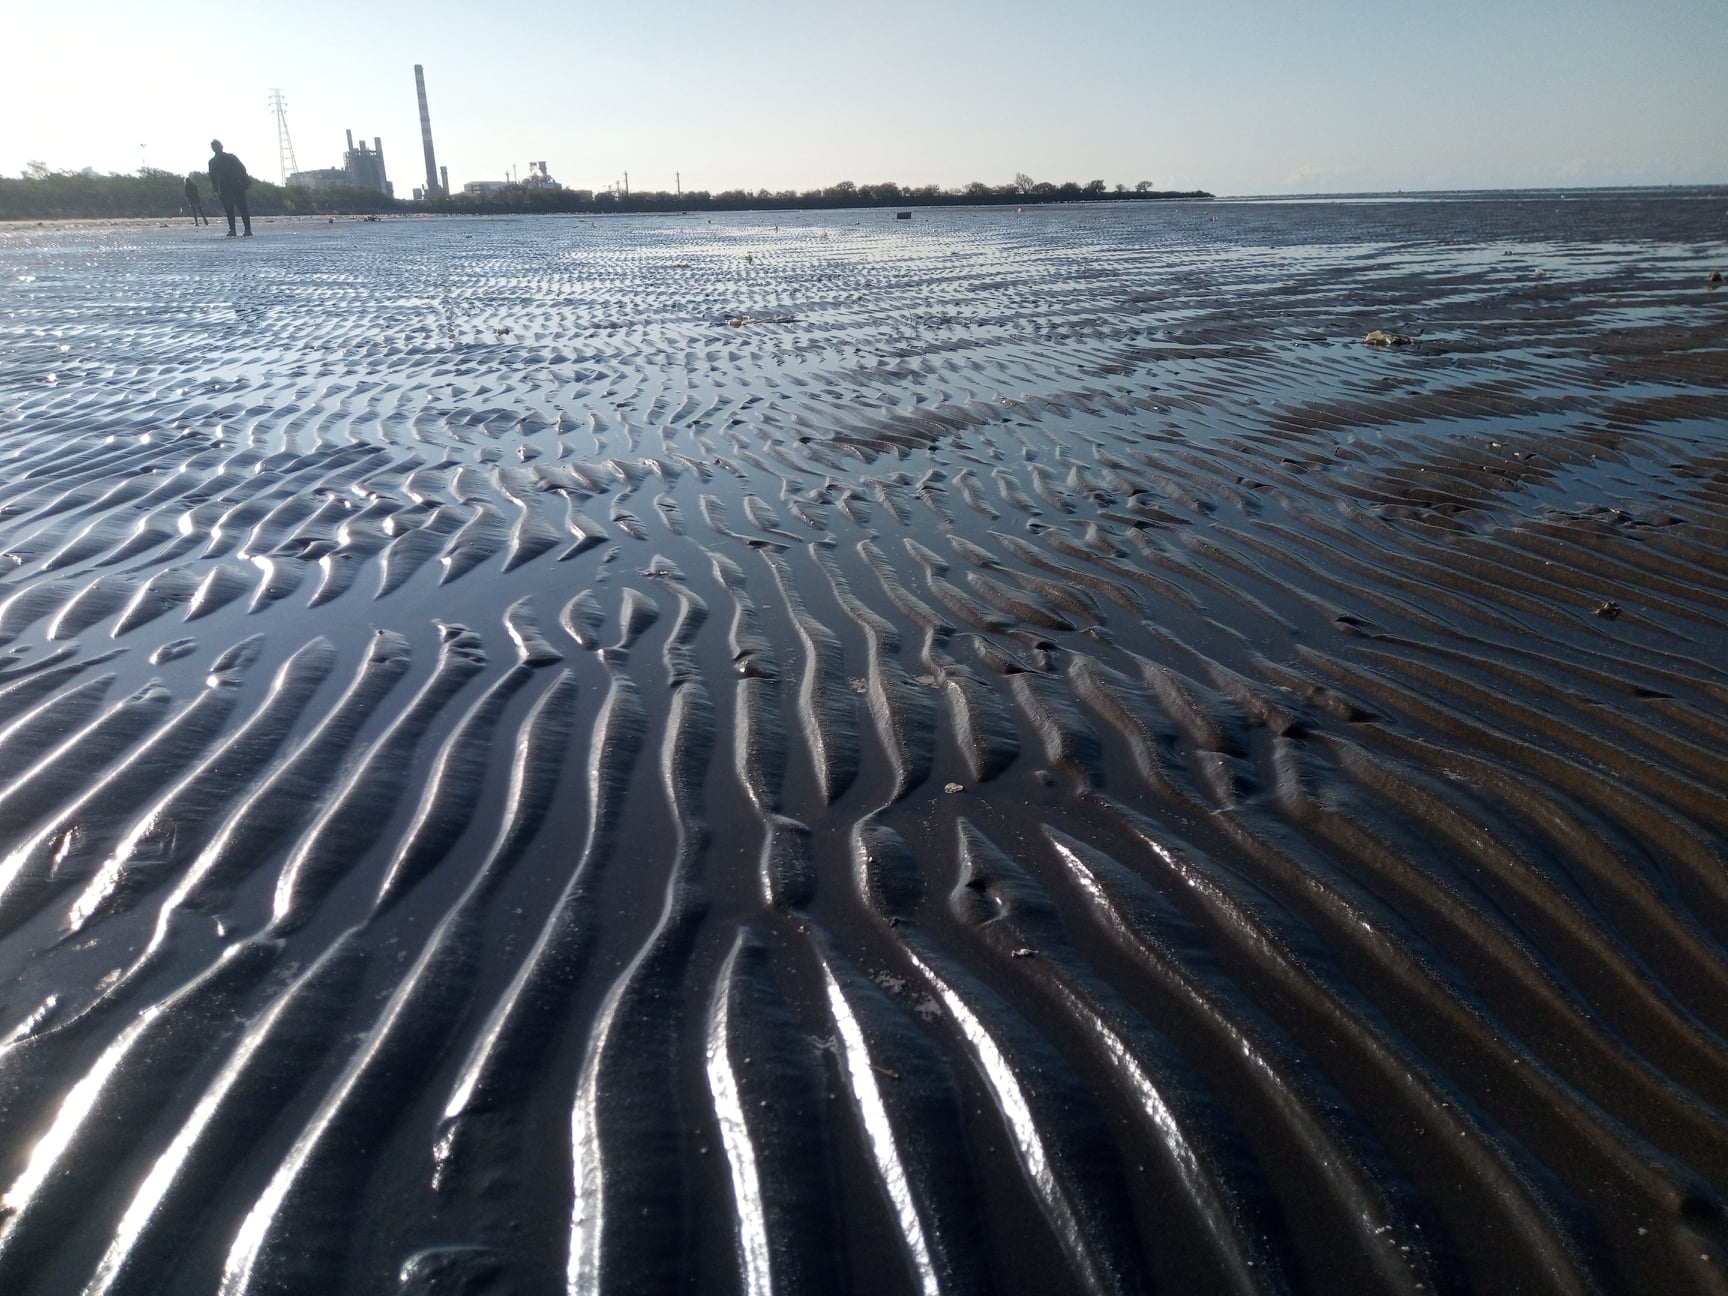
(694, 204)
(554, 202)
(158, 194)
(1719, 190)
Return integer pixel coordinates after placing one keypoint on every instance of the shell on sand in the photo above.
(985, 755)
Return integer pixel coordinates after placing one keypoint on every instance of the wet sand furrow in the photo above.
(1429, 583)
(1626, 567)
(44, 725)
(362, 804)
(1364, 1207)
(1066, 1168)
(1691, 855)
(63, 852)
(518, 1029)
(1532, 1226)
(111, 1104)
(49, 782)
(1576, 939)
(303, 1221)
(1575, 729)
(633, 1211)
(902, 709)
(267, 819)
(766, 1080)
(1586, 661)
(905, 1110)
(162, 1219)
(175, 827)
(263, 822)
(1555, 1117)
(1005, 909)
(824, 699)
(1687, 960)
(452, 794)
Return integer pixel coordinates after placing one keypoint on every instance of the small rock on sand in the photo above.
(1381, 338)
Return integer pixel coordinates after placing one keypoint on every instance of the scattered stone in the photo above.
(1381, 338)
(741, 318)
(1608, 611)
(953, 787)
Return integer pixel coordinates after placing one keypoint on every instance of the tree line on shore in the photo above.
(42, 194)
(1022, 191)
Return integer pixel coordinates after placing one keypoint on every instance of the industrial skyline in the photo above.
(363, 167)
(1245, 96)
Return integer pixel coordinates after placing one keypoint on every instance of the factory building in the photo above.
(362, 168)
(365, 167)
(537, 178)
(323, 178)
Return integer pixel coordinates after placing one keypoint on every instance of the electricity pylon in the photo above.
(284, 145)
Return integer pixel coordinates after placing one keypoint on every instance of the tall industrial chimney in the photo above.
(444, 180)
(432, 188)
(350, 141)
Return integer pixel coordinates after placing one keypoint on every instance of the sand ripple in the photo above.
(985, 754)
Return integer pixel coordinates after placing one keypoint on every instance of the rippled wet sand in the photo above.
(995, 753)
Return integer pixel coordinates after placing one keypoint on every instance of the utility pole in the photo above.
(284, 145)
(678, 182)
(626, 184)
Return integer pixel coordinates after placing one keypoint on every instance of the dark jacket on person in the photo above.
(191, 189)
(228, 174)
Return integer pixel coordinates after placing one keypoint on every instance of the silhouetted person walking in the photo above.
(229, 179)
(192, 201)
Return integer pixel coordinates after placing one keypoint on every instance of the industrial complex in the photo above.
(363, 167)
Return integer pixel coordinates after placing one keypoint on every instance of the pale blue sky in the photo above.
(1235, 96)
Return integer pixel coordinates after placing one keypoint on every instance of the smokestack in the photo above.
(350, 141)
(444, 180)
(432, 189)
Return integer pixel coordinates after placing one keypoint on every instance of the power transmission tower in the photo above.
(284, 145)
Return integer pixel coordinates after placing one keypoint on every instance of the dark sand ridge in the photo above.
(1032, 761)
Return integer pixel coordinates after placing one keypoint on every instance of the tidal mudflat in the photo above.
(989, 753)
